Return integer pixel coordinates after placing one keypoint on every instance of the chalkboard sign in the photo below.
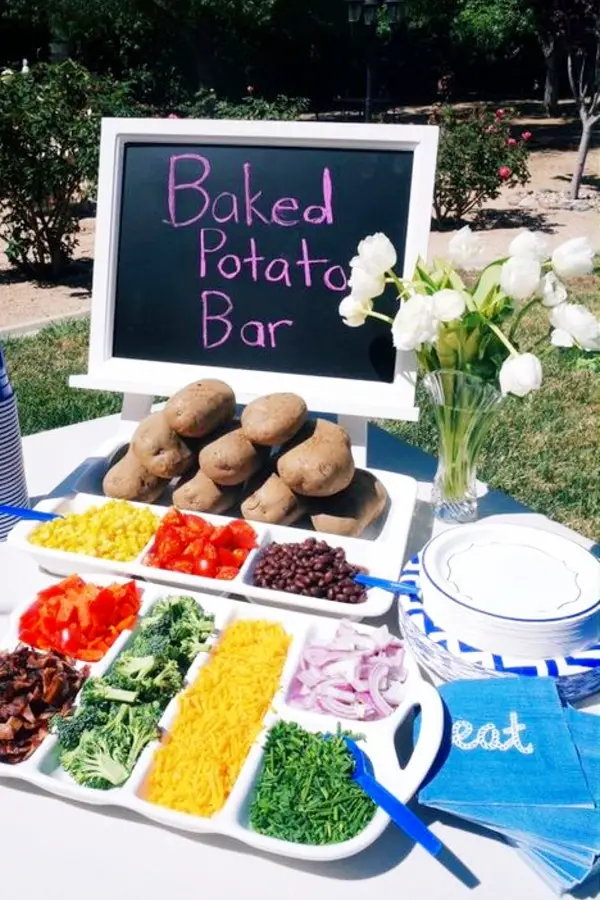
(238, 256)
(223, 248)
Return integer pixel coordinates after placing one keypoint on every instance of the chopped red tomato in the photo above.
(185, 542)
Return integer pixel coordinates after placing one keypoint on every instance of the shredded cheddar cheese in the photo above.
(219, 717)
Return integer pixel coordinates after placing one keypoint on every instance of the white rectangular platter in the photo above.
(43, 769)
(382, 556)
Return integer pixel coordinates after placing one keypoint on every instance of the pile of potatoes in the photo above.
(272, 463)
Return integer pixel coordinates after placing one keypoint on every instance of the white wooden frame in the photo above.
(140, 380)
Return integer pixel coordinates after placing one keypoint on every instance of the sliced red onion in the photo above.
(354, 676)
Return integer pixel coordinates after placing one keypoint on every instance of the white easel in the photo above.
(354, 402)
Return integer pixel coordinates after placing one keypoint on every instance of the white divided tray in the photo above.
(382, 557)
(43, 770)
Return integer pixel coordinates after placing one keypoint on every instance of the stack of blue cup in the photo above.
(13, 486)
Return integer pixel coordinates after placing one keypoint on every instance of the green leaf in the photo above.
(488, 281)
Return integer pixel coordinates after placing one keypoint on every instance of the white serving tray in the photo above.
(382, 556)
(43, 770)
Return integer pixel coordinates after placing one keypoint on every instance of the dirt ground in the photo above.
(536, 206)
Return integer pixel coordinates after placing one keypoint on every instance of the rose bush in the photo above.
(477, 156)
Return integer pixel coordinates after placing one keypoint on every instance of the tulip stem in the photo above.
(382, 317)
(399, 285)
(500, 334)
(520, 315)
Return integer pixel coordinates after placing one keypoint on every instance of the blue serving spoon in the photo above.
(396, 587)
(32, 515)
(400, 814)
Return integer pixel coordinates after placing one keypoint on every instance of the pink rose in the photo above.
(172, 116)
(527, 135)
(500, 113)
(504, 172)
(511, 142)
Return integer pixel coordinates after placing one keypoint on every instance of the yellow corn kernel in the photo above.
(116, 530)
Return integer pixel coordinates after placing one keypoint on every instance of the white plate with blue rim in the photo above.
(513, 589)
(445, 653)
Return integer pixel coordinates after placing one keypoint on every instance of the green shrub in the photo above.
(49, 142)
(477, 156)
(206, 105)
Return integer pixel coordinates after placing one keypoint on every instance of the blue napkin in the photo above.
(507, 744)
(585, 731)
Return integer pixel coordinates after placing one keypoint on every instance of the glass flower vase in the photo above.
(464, 407)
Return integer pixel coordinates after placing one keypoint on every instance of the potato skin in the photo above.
(231, 459)
(274, 419)
(200, 408)
(129, 480)
(273, 502)
(319, 460)
(352, 510)
(159, 449)
(198, 493)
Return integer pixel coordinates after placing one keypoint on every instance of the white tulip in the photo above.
(577, 322)
(574, 257)
(561, 338)
(376, 254)
(363, 283)
(464, 248)
(415, 323)
(520, 374)
(530, 243)
(520, 277)
(448, 305)
(552, 290)
(354, 310)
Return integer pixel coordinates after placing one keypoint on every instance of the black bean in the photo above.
(311, 568)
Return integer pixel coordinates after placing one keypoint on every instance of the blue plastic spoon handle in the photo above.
(396, 587)
(400, 814)
(33, 515)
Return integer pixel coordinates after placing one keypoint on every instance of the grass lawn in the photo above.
(544, 450)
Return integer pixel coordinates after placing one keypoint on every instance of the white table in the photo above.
(54, 849)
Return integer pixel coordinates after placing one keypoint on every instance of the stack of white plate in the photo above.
(512, 590)
(13, 487)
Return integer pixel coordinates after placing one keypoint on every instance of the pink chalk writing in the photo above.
(342, 284)
(284, 204)
(278, 270)
(221, 317)
(214, 257)
(220, 239)
(252, 333)
(305, 262)
(248, 207)
(174, 186)
(254, 260)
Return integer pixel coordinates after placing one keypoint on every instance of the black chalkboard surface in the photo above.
(237, 256)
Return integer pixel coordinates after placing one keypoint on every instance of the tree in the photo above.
(582, 33)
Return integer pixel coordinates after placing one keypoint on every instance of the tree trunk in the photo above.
(551, 78)
(584, 146)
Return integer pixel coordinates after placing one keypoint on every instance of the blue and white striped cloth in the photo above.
(13, 486)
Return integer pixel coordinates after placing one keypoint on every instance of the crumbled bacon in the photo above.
(34, 687)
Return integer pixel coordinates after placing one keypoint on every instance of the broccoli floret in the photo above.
(151, 643)
(70, 729)
(94, 763)
(143, 729)
(193, 645)
(98, 690)
(105, 758)
(165, 684)
(129, 671)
